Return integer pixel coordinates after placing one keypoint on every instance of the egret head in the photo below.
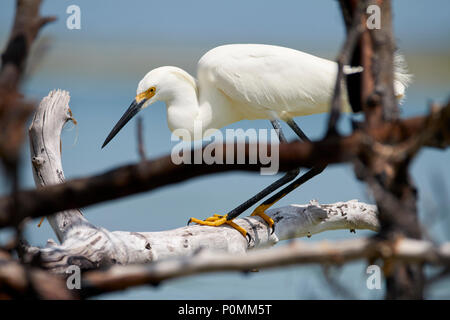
(158, 85)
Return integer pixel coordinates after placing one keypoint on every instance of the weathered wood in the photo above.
(45, 148)
(14, 109)
(18, 281)
(91, 247)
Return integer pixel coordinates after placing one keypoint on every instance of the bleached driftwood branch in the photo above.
(89, 247)
(45, 147)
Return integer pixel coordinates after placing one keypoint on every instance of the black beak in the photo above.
(134, 108)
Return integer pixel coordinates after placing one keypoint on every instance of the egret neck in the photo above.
(192, 109)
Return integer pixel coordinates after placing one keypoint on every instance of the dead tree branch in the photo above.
(14, 110)
(343, 59)
(152, 174)
(19, 281)
(388, 179)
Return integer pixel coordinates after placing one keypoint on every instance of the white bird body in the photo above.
(262, 80)
(245, 81)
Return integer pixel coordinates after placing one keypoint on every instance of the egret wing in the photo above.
(270, 78)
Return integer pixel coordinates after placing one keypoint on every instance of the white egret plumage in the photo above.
(246, 81)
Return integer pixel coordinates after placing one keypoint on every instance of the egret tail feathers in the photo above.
(402, 77)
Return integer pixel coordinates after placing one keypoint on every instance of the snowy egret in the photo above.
(246, 81)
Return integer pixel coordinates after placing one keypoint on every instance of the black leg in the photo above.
(311, 173)
(218, 220)
(289, 176)
(297, 130)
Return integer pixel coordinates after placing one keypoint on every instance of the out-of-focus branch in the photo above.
(395, 193)
(14, 111)
(344, 58)
(27, 24)
(382, 59)
(297, 252)
(152, 174)
(372, 90)
(386, 174)
(18, 281)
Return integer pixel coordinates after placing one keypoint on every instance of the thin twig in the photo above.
(344, 60)
(140, 140)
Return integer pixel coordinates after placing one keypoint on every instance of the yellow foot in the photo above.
(259, 211)
(40, 222)
(218, 220)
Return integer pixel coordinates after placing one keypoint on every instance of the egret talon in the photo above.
(217, 220)
(259, 211)
(40, 222)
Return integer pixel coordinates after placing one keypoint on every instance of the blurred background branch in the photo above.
(151, 174)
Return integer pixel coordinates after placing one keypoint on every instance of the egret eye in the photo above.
(147, 94)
